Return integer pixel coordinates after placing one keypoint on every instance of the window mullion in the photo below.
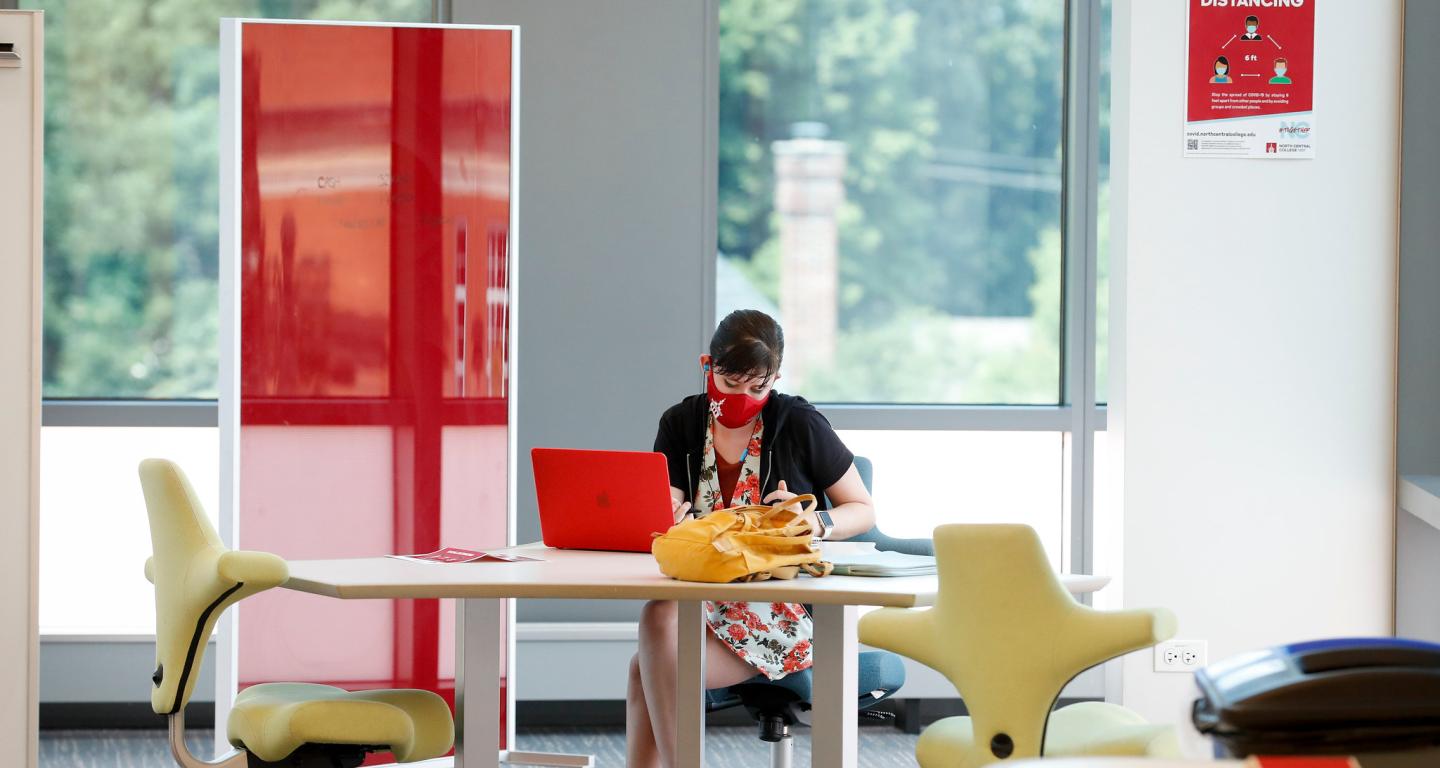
(1079, 250)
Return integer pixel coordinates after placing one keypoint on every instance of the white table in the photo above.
(481, 589)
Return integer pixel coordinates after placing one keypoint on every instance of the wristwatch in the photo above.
(827, 525)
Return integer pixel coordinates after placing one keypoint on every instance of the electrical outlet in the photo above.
(1180, 656)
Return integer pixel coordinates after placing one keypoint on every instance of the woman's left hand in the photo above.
(779, 494)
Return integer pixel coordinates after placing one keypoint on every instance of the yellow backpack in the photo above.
(751, 543)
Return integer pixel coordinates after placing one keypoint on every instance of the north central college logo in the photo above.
(1271, 148)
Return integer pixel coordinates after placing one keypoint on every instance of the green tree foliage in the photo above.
(131, 205)
(950, 109)
(951, 112)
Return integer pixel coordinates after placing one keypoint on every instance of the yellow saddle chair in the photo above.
(1009, 637)
(274, 724)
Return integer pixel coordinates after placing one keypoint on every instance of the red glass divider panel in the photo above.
(374, 299)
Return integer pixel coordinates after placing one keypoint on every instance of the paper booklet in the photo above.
(853, 558)
(458, 555)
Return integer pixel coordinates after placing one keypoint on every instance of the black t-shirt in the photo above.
(799, 446)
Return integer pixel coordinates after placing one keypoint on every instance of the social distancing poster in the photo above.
(1250, 82)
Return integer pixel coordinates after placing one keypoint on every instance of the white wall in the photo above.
(1254, 343)
(20, 236)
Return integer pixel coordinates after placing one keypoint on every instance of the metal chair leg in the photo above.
(782, 751)
(181, 751)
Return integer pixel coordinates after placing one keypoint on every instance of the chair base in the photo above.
(181, 751)
(778, 706)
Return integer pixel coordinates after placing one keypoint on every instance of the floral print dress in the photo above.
(774, 638)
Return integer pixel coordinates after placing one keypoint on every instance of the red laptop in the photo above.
(610, 500)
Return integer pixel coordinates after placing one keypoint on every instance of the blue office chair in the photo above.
(778, 705)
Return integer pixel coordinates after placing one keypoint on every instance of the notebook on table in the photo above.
(862, 559)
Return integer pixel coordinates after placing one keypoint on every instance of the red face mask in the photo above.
(733, 411)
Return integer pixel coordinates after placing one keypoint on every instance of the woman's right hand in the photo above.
(681, 509)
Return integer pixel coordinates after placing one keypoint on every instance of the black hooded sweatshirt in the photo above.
(799, 446)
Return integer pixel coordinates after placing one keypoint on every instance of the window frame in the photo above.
(1080, 253)
(68, 412)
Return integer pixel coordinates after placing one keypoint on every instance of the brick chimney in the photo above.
(809, 190)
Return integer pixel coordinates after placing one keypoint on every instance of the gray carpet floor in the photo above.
(725, 747)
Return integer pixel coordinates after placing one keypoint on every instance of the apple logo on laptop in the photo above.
(603, 500)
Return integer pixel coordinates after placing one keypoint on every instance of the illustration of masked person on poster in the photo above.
(1252, 30)
(1222, 69)
(1281, 67)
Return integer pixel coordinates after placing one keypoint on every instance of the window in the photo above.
(890, 188)
(929, 478)
(131, 195)
(131, 260)
(93, 521)
(901, 163)
(918, 191)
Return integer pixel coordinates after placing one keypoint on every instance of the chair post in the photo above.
(233, 759)
(782, 752)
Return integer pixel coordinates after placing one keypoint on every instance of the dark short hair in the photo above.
(1255, 19)
(748, 342)
(1220, 60)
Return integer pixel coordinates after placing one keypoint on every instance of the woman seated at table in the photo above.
(738, 443)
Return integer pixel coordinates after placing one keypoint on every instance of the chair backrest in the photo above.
(196, 578)
(1006, 633)
(866, 468)
(884, 542)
